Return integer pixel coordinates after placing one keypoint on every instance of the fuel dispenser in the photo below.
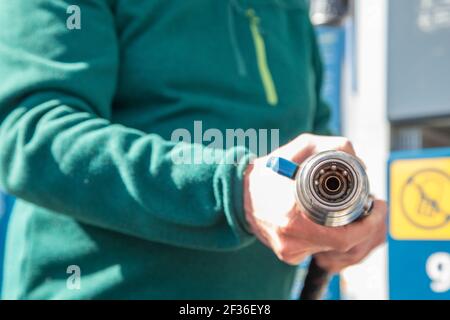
(419, 168)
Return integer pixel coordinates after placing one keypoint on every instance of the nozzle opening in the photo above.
(332, 184)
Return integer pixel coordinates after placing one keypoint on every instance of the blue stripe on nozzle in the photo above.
(283, 167)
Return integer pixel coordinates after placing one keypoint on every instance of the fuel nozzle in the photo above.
(332, 187)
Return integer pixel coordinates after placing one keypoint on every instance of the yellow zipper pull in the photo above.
(260, 47)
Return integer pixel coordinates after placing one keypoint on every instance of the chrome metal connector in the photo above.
(333, 189)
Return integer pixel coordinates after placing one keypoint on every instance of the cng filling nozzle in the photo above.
(332, 189)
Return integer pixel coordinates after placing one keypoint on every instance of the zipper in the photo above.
(261, 57)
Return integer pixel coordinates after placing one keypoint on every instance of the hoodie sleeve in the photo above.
(60, 151)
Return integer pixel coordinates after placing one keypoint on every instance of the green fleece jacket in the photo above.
(87, 117)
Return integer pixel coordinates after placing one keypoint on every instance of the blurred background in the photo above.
(388, 83)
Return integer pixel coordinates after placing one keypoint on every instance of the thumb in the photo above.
(297, 150)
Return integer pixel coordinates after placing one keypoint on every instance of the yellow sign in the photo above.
(420, 199)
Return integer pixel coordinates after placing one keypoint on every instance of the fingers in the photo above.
(316, 144)
(346, 146)
(363, 229)
(290, 253)
(332, 143)
(306, 145)
(335, 261)
(340, 239)
(297, 150)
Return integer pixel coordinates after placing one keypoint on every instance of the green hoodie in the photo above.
(86, 123)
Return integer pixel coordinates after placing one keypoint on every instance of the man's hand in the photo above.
(276, 219)
(334, 261)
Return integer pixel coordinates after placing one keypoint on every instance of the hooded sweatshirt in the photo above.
(91, 94)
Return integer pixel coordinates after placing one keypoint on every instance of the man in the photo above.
(87, 117)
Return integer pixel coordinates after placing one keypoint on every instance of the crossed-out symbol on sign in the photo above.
(423, 199)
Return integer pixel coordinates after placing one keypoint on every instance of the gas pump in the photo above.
(418, 108)
(330, 18)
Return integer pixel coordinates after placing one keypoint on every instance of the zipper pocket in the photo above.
(261, 57)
